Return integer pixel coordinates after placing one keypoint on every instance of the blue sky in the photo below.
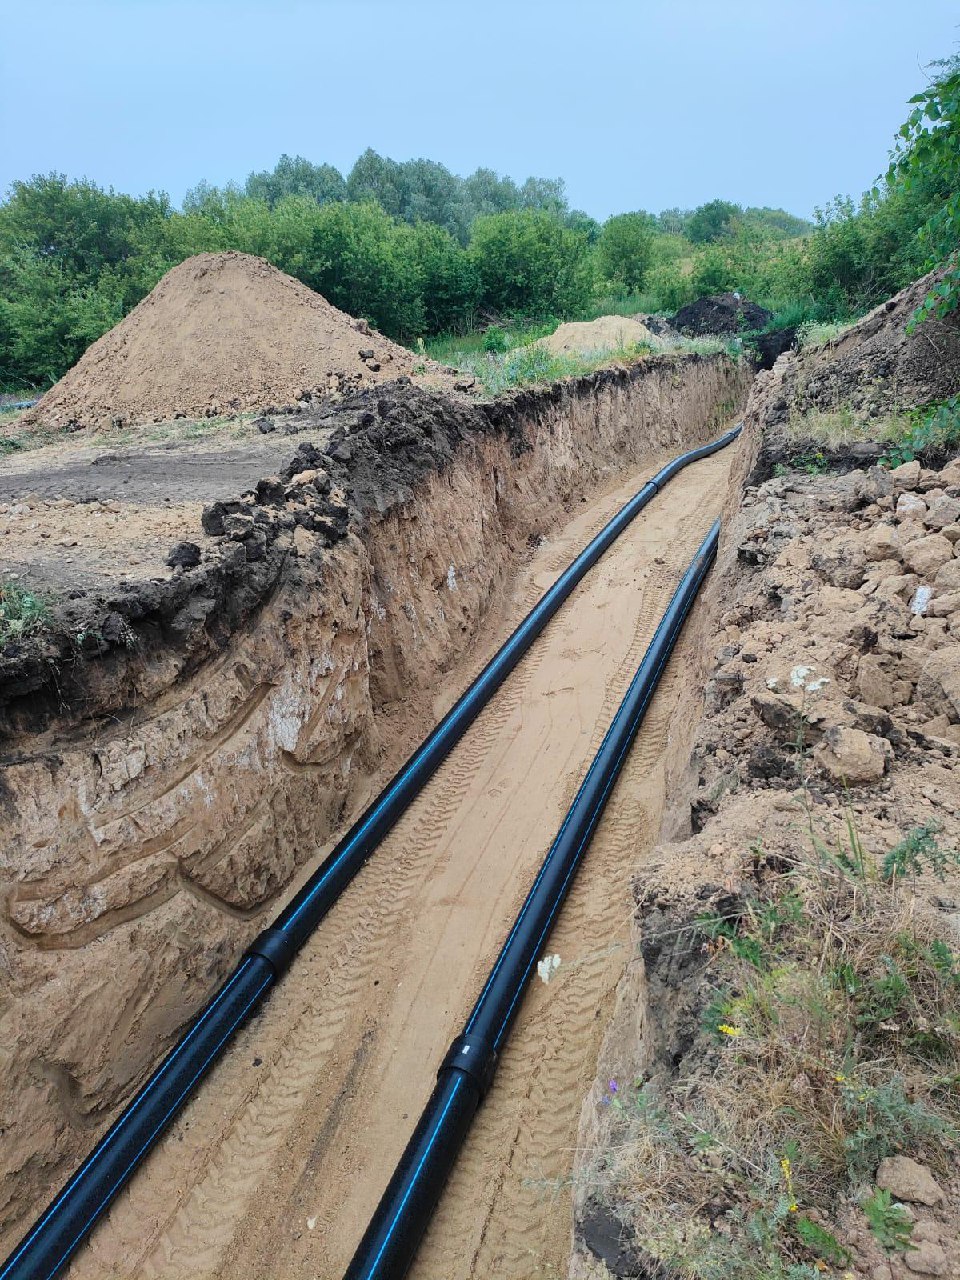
(647, 104)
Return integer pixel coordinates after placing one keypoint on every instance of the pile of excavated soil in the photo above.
(721, 315)
(223, 333)
(608, 333)
(873, 368)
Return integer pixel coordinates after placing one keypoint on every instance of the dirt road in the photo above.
(275, 1168)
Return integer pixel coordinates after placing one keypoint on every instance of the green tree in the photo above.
(530, 264)
(449, 282)
(777, 222)
(926, 161)
(578, 220)
(486, 192)
(358, 258)
(376, 179)
(295, 176)
(713, 221)
(673, 222)
(545, 194)
(625, 248)
(48, 318)
(78, 225)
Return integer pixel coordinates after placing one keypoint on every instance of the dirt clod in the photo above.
(908, 1180)
(185, 555)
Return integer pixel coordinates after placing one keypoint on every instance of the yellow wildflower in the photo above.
(787, 1169)
(730, 1031)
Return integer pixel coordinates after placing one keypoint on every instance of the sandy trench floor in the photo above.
(275, 1167)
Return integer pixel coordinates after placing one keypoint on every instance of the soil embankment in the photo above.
(878, 366)
(166, 777)
(818, 631)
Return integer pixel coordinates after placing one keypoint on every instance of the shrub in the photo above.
(933, 429)
(669, 286)
(530, 264)
(625, 249)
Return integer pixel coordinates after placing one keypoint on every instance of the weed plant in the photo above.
(931, 430)
(22, 612)
(830, 1039)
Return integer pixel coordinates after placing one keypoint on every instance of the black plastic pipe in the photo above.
(391, 1240)
(56, 1235)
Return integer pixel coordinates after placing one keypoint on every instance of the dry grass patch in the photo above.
(829, 1040)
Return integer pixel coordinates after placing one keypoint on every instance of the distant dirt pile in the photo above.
(721, 315)
(222, 333)
(609, 333)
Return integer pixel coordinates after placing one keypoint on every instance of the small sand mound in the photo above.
(609, 333)
(222, 333)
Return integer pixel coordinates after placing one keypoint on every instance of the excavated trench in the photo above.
(162, 798)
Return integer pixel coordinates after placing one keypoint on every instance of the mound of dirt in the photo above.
(222, 333)
(875, 367)
(721, 315)
(609, 333)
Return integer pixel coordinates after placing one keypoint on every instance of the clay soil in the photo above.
(275, 1167)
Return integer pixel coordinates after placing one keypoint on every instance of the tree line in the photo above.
(419, 251)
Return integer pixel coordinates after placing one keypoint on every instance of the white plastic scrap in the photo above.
(922, 597)
(547, 967)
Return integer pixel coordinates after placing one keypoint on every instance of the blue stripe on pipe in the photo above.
(112, 1134)
(148, 1142)
(416, 1174)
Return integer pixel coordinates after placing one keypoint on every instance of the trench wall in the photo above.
(145, 841)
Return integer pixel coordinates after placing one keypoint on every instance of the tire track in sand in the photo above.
(518, 1224)
(374, 998)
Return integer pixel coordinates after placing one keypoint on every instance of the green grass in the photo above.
(931, 431)
(830, 1038)
(813, 333)
(624, 304)
(535, 365)
(22, 612)
(451, 348)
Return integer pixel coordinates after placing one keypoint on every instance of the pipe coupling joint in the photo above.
(474, 1057)
(276, 946)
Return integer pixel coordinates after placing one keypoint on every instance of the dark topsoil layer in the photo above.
(720, 315)
(369, 453)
